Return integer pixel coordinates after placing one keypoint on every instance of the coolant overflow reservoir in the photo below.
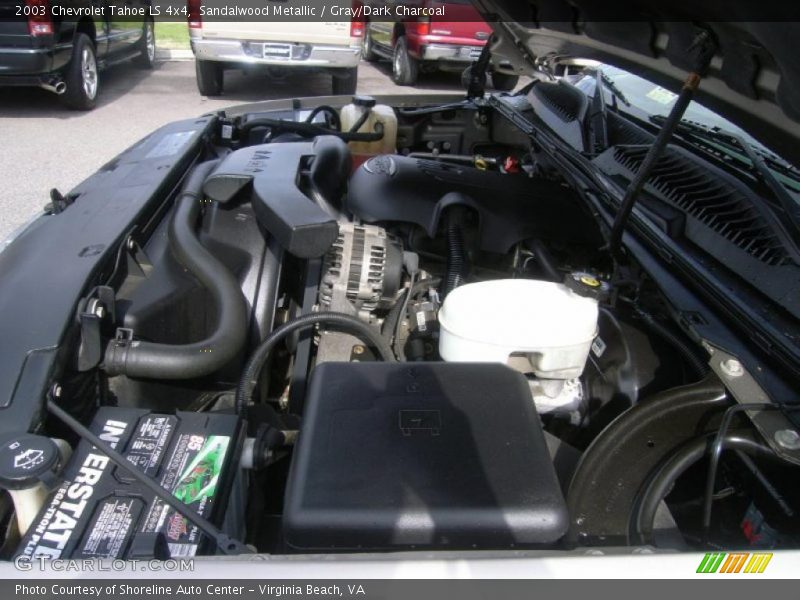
(377, 116)
(491, 320)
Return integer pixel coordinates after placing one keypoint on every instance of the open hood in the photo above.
(754, 79)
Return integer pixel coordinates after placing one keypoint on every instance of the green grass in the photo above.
(172, 35)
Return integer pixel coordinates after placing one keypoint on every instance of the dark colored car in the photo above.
(61, 46)
(532, 329)
(417, 44)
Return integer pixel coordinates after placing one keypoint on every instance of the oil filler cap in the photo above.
(26, 459)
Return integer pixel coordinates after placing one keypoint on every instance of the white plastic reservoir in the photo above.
(548, 322)
(377, 113)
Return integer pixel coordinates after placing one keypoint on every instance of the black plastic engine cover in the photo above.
(447, 455)
(290, 186)
(512, 207)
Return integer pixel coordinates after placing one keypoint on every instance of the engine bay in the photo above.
(319, 345)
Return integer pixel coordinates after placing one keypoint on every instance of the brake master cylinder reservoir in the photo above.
(367, 116)
(546, 322)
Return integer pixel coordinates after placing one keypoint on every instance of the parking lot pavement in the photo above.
(46, 146)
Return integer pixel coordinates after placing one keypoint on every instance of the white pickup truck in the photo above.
(331, 46)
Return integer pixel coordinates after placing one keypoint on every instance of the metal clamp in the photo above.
(776, 429)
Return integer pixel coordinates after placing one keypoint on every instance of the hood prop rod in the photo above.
(705, 47)
(476, 81)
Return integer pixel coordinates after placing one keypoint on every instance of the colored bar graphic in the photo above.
(758, 562)
(711, 562)
(734, 562)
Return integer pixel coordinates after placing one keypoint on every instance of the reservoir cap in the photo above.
(588, 285)
(367, 101)
(26, 459)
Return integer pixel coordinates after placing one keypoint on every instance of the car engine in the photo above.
(317, 347)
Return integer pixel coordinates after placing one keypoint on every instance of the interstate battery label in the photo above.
(58, 527)
(149, 443)
(192, 474)
(111, 527)
(99, 507)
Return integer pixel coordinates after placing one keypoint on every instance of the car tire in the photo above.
(147, 46)
(367, 46)
(346, 83)
(210, 77)
(504, 82)
(80, 75)
(405, 69)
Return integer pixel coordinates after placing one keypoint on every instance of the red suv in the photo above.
(450, 42)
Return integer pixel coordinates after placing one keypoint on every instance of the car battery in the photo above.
(101, 511)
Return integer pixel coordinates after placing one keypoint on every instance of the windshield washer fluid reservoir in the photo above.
(547, 322)
(377, 116)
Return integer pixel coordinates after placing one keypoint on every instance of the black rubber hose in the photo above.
(309, 129)
(360, 121)
(188, 361)
(393, 318)
(457, 262)
(661, 484)
(398, 350)
(328, 110)
(250, 376)
(697, 364)
(545, 260)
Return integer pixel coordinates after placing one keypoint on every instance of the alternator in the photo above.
(362, 272)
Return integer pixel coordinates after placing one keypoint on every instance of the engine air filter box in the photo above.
(440, 455)
(291, 186)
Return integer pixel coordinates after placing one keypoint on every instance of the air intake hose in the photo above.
(187, 361)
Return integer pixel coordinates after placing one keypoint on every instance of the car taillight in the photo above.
(423, 26)
(39, 20)
(195, 16)
(357, 22)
